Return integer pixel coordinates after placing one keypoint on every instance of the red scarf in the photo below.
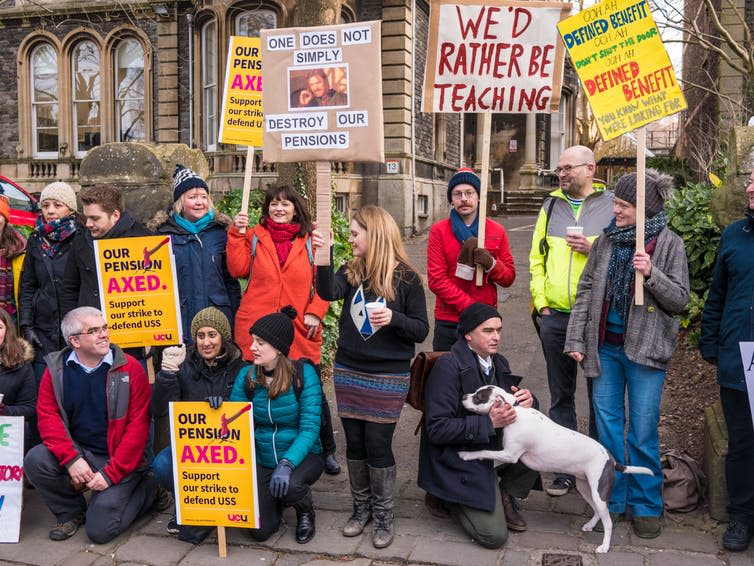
(282, 236)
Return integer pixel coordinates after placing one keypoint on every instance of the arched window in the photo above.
(85, 73)
(209, 85)
(249, 23)
(44, 101)
(129, 91)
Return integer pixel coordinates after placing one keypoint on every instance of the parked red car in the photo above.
(23, 206)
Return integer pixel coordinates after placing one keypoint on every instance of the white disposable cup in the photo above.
(1, 397)
(574, 230)
(371, 307)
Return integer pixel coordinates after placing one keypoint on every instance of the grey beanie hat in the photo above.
(657, 189)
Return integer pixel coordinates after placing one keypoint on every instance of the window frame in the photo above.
(35, 151)
(116, 100)
(74, 109)
(209, 137)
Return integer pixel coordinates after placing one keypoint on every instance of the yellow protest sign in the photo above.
(623, 65)
(242, 117)
(139, 290)
(214, 464)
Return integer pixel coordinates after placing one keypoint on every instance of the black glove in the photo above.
(31, 336)
(484, 258)
(280, 479)
(215, 401)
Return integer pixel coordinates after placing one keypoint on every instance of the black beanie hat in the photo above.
(276, 329)
(465, 176)
(657, 189)
(474, 315)
(185, 179)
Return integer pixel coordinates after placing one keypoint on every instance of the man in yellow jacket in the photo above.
(571, 218)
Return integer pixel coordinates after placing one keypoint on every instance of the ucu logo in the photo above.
(162, 337)
(236, 518)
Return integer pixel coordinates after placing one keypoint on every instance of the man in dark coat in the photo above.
(469, 490)
(106, 218)
(726, 321)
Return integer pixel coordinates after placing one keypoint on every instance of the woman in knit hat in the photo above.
(206, 372)
(626, 347)
(276, 256)
(12, 247)
(287, 402)
(198, 234)
(384, 316)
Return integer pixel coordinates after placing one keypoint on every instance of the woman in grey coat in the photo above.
(626, 347)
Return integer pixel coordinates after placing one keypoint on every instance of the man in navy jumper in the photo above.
(93, 410)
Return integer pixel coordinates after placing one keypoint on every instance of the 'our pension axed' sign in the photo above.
(623, 66)
(242, 118)
(494, 56)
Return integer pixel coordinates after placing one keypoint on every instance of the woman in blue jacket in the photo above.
(287, 404)
(199, 236)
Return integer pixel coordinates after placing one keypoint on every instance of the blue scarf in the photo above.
(460, 230)
(620, 271)
(194, 227)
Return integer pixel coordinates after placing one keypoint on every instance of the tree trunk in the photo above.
(309, 13)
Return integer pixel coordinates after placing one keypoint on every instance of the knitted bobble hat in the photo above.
(276, 329)
(464, 176)
(185, 179)
(474, 315)
(61, 192)
(213, 318)
(657, 189)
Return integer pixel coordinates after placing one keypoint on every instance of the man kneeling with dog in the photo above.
(470, 489)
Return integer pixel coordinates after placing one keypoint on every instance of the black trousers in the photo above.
(739, 462)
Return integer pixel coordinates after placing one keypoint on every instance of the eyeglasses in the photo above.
(566, 169)
(93, 331)
(463, 194)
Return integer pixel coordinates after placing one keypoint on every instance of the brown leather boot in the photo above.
(513, 517)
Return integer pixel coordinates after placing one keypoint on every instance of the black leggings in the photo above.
(369, 441)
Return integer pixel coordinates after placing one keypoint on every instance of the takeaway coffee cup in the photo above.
(1, 398)
(371, 307)
(574, 230)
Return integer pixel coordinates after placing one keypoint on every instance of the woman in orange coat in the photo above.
(277, 258)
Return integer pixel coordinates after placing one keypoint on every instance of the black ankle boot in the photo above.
(304, 519)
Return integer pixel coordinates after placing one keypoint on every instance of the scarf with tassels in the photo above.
(52, 234)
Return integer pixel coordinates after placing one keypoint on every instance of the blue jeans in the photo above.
(640, 493)
(162, 468)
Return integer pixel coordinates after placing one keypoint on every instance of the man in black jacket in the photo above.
(469, 490)
(105, 218)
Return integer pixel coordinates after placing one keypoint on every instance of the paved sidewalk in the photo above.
(554, 523)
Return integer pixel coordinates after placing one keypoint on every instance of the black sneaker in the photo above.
(560, 486)
(66, 530)
(331, 465)
(173, 527)
(736, 536)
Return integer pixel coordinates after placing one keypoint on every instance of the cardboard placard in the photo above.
(11, 477)
(242, 118)
(214, 465)
(494, 56)
(623, 65)
(323, 98)
(139, 290)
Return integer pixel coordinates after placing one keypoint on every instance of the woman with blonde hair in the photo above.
(384, 315)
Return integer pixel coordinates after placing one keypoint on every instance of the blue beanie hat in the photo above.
(464, 176)
(185, 179)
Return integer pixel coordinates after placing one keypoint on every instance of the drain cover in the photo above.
(561, 560)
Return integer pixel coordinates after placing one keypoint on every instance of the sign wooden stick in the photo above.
(324, 199)
(482, 214)
(222, 547)
(641, 144)
(248, 170)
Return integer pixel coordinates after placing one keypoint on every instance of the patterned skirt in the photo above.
(375, 397)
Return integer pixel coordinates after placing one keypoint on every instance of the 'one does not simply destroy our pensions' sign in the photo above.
(623, 65)
(494, 56)
(323, 93)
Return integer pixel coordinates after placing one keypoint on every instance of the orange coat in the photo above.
(273, 287)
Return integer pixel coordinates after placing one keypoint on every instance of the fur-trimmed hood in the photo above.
(164, 216)
(28, 352)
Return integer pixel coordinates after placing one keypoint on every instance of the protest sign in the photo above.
(11, 477)
(747, 358)
(323, 93)
(494, 56)
(242, 118)
(139, 290)
(623, 65)
(214, 465)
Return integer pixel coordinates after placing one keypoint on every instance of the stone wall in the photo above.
(730, 201)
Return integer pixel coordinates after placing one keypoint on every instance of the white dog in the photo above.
(545, 446)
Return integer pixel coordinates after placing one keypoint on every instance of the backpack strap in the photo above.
(310, 255)
(544, 246)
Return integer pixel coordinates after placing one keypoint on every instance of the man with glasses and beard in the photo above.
(93, 410)
(571, 218)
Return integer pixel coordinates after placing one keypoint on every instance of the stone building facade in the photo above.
(77, 74)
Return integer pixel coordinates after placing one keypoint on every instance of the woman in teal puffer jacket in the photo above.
(287, 406)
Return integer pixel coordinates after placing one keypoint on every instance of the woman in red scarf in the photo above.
(277, 258)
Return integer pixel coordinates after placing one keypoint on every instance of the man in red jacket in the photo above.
(452, 255)
(93, 411)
